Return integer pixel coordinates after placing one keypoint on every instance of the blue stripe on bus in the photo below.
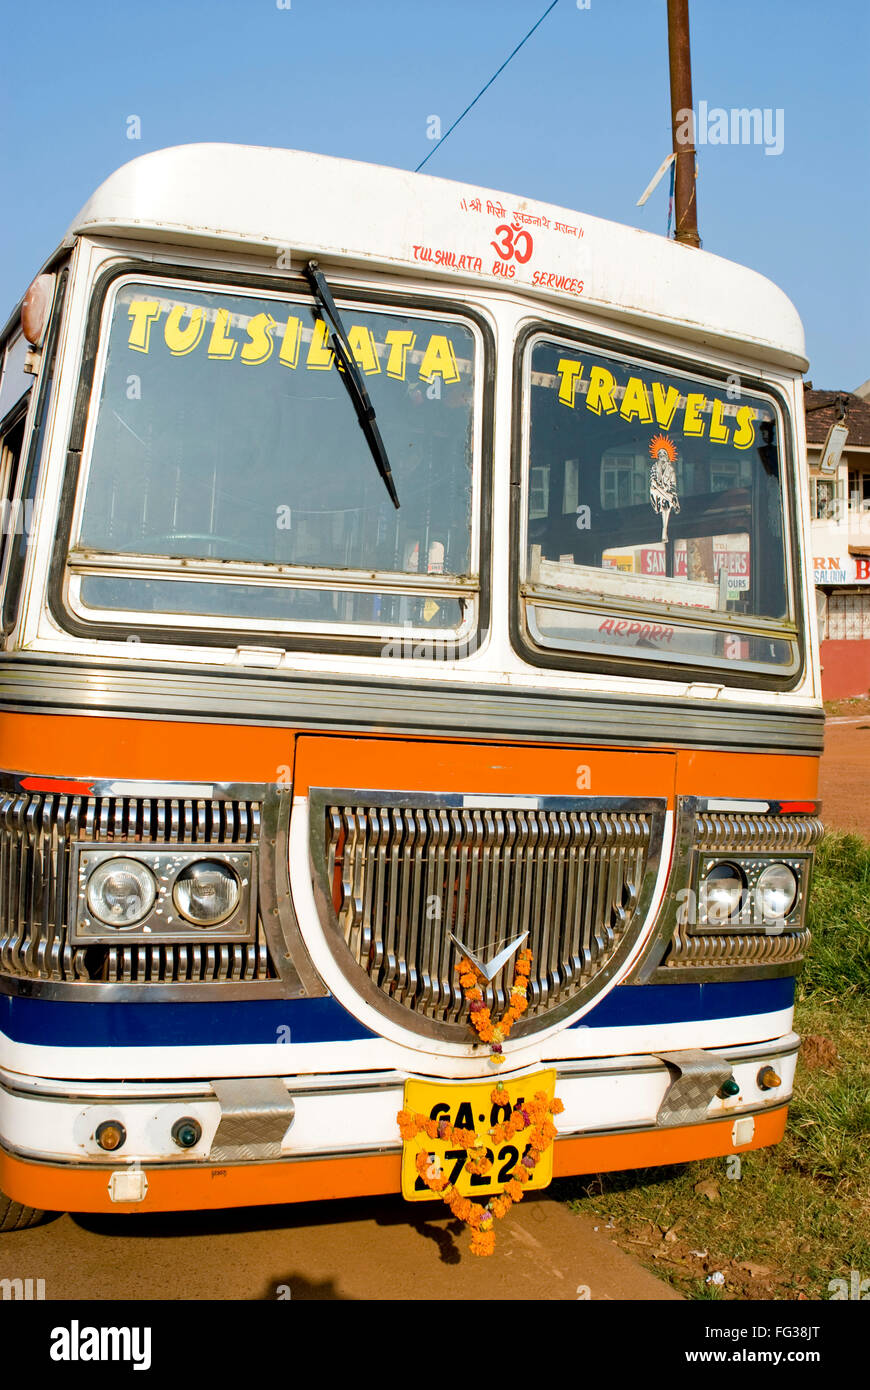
(630, 1005)
(55, 1023)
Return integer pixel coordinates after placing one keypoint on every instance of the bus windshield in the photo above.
(653, 513)
(225, 434)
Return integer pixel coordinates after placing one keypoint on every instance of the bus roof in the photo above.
(368, 215)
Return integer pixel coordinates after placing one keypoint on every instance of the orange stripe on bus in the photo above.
(61, 745)
(502, 769)
(774, 776)
(54, 1187)
(648, 1148)
(85, 746)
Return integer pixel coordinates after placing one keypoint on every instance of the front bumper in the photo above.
(336, 1135)
(174, 1187)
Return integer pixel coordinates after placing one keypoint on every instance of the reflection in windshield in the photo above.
(651, 490)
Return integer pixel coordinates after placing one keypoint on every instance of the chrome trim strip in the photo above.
(315, 1084)
(128, 788)
(278, 915)
(785, 1046)
(195, 989)
(749, 969)
(679, 877)
(59, 684)
(544, 596)
(234, 630)
(193, 569)
(745, 831)
(98, 1093)
(353, 1083)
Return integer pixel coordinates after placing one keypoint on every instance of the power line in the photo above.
(489, 84)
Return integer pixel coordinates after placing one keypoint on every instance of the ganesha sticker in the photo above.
(663, 479)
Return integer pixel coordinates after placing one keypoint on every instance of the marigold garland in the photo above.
(481, 1018)
(535, 1115)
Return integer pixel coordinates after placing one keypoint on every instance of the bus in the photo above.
(409, 695)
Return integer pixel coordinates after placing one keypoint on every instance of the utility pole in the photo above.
(680, 56)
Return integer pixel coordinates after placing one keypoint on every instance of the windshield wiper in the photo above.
(352, 376)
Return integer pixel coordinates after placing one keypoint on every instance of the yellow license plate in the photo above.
(468, 1105)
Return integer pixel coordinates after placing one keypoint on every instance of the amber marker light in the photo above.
(110, 1135)
(768, 1079)
(35, 309)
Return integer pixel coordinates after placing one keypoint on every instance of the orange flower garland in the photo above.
(481, 1019)
(535, 1115)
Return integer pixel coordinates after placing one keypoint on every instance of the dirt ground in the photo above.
(368, 1248)
(844, 785)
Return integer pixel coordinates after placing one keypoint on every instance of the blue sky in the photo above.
(581, 117)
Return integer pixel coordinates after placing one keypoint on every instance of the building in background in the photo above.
(841, 538)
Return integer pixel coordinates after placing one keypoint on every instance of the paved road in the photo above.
(370, 1248)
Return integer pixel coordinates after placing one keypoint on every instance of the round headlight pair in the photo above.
(775, 892)
(121, 892)
(206, 892)
(724, 889)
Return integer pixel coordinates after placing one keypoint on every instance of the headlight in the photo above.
(723, 889)
(121, 892)
(776, 891)
(206, 892)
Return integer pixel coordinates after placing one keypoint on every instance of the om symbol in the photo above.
(509, 245)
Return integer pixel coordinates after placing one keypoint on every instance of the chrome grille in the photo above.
(37, 833)
(689, 949)
(402, 880)
(751, 834)
(757, 834)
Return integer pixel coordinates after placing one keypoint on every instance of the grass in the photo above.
(837, 968)
(799, 1215)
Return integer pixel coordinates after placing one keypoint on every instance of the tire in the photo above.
(15, 1217)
